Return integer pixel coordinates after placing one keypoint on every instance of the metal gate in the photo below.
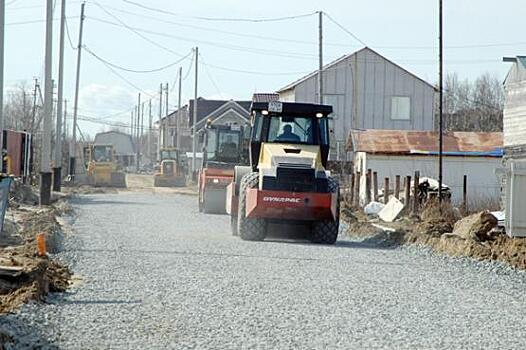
(516, 198)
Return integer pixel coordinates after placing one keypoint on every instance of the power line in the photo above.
(245, 49)
(35, 21)
(69, 37)
(136, 31)
(153, 70)
(219, 19)
(345, 29)
(210, 76)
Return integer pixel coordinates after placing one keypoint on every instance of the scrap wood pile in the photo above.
(24, 275)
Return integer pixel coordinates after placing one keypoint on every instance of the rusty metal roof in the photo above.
(424, 142)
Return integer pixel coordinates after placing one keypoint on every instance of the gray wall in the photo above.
(360, 88)
(515, 107)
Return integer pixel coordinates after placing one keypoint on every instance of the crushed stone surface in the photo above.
(156, 274)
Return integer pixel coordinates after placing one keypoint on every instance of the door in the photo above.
(516, 198)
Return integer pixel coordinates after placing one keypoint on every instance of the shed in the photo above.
(515, 146)
(402, 152)
(122, 143)
(367, 91)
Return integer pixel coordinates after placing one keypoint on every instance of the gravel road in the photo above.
(156, 274)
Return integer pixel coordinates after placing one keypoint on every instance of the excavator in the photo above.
(286, 181)
(171, 171)
(224, 148)
(102, 166)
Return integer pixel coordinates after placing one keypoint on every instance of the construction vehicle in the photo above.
(102, 167)
(171, 170)
(224, 148)
(286, 181)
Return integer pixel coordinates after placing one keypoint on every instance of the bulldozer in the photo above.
(171, 171)
(224, 148)
(286, 181)
(102, 167)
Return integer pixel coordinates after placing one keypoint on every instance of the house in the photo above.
(367, 91)
(402, 152)
(122, 144)
(514, 122)
(220, 112)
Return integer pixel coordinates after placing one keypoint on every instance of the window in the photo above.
(291, 130)
(400, 108)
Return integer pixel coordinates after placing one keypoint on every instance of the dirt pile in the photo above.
(437, 219)
(476, 226)
(25, 276)
(446, 233)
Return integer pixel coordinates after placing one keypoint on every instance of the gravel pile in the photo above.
(156, 274)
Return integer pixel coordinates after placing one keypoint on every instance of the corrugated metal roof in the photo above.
(425, 142)
(265, 97)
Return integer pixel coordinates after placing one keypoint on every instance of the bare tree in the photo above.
(473, 106)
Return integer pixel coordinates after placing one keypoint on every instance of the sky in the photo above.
(238, 58)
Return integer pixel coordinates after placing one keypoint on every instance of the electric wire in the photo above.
(136, 31)
(210, 76)
(220, 19)
(344, 29)
(245, 49)
(116, 66)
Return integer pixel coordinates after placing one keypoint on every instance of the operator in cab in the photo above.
(288, 135)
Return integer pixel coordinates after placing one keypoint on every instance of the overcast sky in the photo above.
(478, 33)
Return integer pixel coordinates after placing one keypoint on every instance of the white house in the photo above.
(402, 152)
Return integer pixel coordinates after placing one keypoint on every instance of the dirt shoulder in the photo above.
(434, 229)
(24, 275)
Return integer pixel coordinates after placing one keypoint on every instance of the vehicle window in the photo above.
(102, 154)
(228, 146)
(211, 145)
(291, 130)
(324, 131)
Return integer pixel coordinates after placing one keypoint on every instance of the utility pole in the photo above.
(65, 121)
(138, 155)
(160, 136)
(167, 110)
(178, 115)
(150, 130)
(194, 115)
(73, 144)
(131, 123)
(142, 121)
(45, 168)
(57, 171)
(2, 38)
(320, 54)
(34, 111)
(440, 104)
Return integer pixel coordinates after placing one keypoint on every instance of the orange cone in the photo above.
(41, 244)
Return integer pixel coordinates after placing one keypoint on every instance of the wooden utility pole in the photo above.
(73, 144)
(137, 124)
(161, 133)
(45, 166)
(441, 102)
(34, 111)
(320, 57)
(194, 114)
(2, 38)
(150, 130)
(178, 115)
(57, 171)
